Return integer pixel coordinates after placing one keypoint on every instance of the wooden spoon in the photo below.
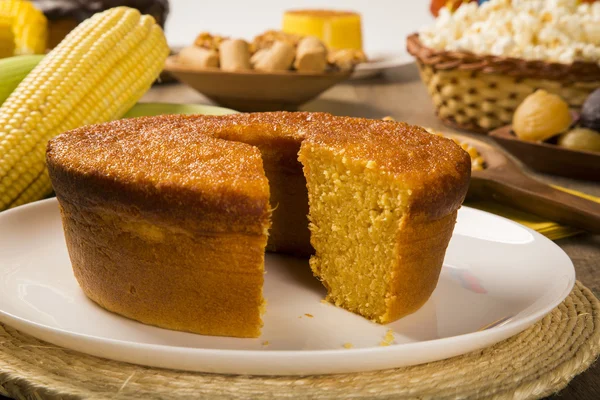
(503, 180)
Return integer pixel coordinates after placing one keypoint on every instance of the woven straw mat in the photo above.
(533, 364)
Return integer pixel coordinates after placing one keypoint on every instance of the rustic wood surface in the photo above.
(400, 94)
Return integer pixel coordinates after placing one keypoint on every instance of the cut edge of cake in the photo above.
(379, 238)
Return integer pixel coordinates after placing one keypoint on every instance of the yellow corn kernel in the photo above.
(96, 74)
(7, 39)
(23, 28)
(477, 161)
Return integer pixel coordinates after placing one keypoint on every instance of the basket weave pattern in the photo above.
(481, 93)
(533, 364)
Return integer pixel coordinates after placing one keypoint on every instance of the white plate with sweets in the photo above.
(498, 279)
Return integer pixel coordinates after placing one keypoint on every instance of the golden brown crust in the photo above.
(158, 164)
(422, 244)
(436, 170)
(165, 224)
(276, 135)
(166, 276)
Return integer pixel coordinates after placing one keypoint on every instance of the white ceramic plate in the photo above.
(380, 62)
(499, 278)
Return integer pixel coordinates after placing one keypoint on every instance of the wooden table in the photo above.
(401, 95)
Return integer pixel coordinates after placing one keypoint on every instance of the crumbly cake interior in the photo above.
(359, 210)
(382, 206)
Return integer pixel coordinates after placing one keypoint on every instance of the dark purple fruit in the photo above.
(590, 112)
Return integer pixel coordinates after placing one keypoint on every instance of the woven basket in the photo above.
(481, 93)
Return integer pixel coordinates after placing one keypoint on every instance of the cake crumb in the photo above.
(348, 345)
(324, 301)
(388, 338)
(265, 343)
(309, 315)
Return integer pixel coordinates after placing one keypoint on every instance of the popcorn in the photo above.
(503, 45)
(592, 33)
(560, 31)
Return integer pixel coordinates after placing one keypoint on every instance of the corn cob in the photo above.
(23, 28)
(7, 38)
(96, 74)
(13, 70)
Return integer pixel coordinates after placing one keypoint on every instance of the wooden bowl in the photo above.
(550, 158)
(255, 90)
